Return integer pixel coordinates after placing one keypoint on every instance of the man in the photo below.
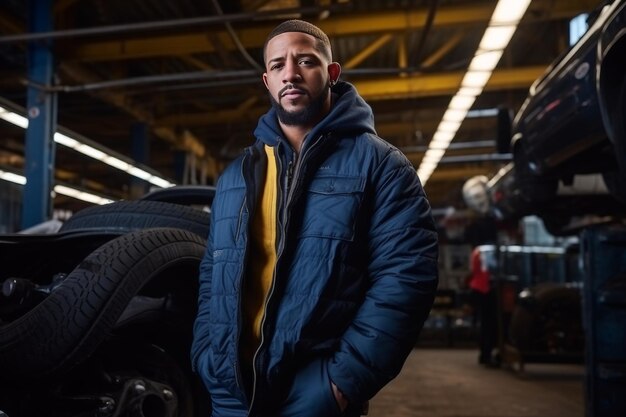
(483, 301)
(321, 263)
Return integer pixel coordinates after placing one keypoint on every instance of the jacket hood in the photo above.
(349, 114)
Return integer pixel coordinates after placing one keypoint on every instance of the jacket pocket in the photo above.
(311, 394)
(331, 207)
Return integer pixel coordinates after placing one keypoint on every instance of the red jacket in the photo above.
(479, 280)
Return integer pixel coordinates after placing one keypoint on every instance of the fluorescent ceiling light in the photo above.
(13, 118)
(502, 26)
(433, 155)
(448, 126)
(91, 152)
(65, 140)
(160, 182)
(454, 115)
(116, 163)
(81, 195)
(438, 145)
(426, 165)
(509, 11)
(88, 150)
(59, 189)
(441, 136)
(461, 102)
(485, 61)
(11, 177)
(470, 92)
(139, 173)
(476, 79)
(424, 173)
(496, 38)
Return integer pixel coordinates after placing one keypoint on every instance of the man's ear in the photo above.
(265, 80)
(334, 71)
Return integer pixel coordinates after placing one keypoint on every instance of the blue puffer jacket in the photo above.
(355, 276)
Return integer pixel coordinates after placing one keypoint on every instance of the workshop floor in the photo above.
(450, 383)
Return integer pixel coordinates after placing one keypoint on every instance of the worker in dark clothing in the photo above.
(483, 301)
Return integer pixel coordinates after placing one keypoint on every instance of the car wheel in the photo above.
(170, 388)
(124, 216)
(81, 312)
(548, 320)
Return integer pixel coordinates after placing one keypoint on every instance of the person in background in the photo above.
(321, 264)
(483, 301)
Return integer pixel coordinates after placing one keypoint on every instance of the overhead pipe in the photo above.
(454, 146)
(148, 79)
(244, 77)
(166, 24)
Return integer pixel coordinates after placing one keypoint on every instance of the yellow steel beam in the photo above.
(444, 84)
(368, 51)
(442, 51)
(198, 41)
(403, 56)
(409, 87)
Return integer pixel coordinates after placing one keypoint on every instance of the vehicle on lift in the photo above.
(568, 139)
(96, 319)
(573, 120)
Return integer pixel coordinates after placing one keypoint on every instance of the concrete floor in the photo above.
(450, 383)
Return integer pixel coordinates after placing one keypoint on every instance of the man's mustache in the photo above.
(291, 87)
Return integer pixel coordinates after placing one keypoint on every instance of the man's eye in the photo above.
(277, 66)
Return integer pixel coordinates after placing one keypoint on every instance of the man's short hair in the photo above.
(295, 25)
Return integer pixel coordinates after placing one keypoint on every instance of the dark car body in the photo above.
(572, 121)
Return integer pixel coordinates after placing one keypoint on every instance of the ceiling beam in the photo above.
(200, 40)
(183, 140)
(424, 85)
(442, 84)
(368, 51)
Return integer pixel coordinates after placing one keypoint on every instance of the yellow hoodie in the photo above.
(262, 258)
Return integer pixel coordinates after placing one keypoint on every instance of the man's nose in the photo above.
(291, 73)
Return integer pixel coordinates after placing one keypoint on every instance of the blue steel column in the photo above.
(603, 250)
(141, 153)
(41, 105)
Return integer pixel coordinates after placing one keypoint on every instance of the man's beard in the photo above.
(304, 117)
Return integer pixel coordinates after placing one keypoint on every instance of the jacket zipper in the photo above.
(266, 302)
(291, 176)
(237, 364)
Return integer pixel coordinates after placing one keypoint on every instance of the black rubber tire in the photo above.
(550, 320)
(125, 216)
(72, 322)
